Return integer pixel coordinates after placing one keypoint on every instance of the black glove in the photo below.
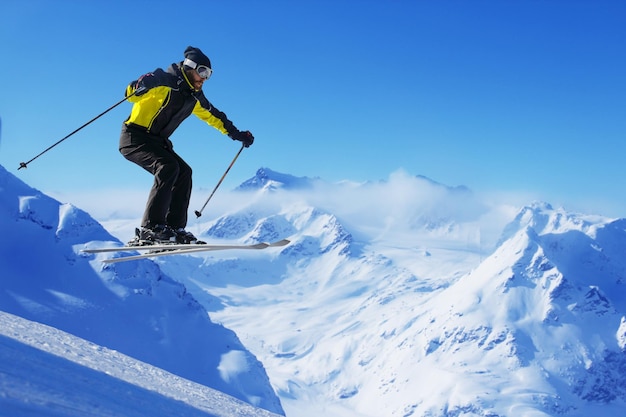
(145, 83)
(244, 137)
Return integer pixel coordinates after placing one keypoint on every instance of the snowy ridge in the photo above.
(525, 311)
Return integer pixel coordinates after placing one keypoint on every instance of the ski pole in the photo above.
(199, 213)
(25, 164)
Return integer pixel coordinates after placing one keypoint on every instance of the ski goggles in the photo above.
(203, 71)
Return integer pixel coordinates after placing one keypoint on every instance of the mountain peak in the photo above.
(544, 219)
(266, 178)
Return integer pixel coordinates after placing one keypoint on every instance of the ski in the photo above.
(178, 249)
(176, 246)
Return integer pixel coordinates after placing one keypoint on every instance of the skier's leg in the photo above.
(181, 193)
(164, 165)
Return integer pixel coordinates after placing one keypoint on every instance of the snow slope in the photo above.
(47, 372)
(132, 308)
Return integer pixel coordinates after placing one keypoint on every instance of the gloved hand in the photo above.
(145, 83)
(244, 137)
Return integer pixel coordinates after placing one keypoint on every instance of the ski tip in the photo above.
(109, 261)
(264, 245)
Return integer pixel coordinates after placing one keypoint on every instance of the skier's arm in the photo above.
(210, 114)
(207, 112)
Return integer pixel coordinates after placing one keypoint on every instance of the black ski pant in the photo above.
(168, 201)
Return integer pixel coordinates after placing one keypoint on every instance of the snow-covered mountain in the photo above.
(401, 297)
(133, 308)
(418, 314)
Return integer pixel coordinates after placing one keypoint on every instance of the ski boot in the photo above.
(185, 237)
(152, 235)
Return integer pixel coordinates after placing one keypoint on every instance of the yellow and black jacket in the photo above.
(162, 109)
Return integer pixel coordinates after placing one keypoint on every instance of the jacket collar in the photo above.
(183, 83)
(184, 77)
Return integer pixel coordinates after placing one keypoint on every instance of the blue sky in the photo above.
(514, 97)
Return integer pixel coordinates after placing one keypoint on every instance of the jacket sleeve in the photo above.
(204, 110)
(162, 78)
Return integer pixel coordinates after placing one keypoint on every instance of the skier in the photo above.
(161, 101)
